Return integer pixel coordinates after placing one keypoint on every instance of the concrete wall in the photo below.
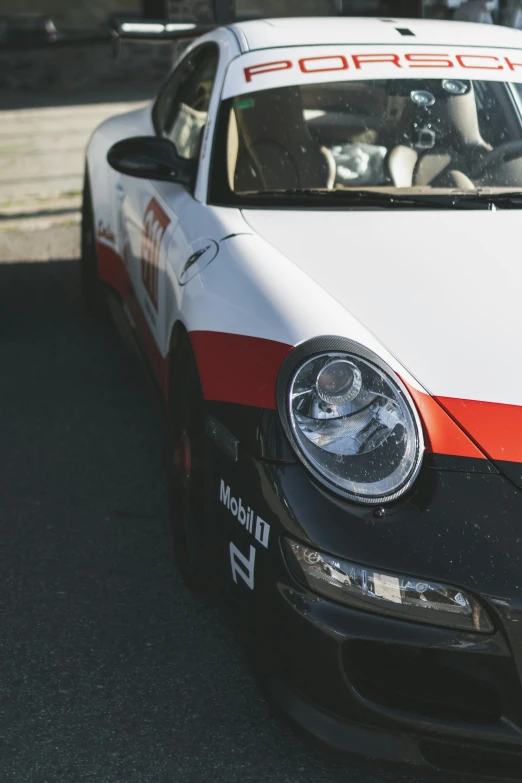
(287, 7)
(70, 13)
(199, 10)
(190, 10)
(93, 13)
(82, 68)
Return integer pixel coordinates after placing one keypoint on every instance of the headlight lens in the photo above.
(339, 382)
(419, 600)
(355, 426)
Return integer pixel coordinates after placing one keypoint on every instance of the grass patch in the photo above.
(11, 147)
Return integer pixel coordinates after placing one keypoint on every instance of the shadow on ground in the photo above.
(111, 671)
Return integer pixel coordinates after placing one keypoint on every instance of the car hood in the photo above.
(440, 290)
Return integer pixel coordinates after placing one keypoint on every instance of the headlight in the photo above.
(351, 420)
(419, 600)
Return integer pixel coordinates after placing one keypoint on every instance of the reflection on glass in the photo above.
(414, 599)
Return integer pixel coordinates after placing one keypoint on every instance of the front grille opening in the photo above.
(473, 760)
(431, 683)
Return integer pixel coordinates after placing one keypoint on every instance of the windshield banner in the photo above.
(270, 68)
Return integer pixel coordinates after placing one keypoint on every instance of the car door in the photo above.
(151, 210)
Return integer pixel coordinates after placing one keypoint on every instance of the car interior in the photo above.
(430, 133)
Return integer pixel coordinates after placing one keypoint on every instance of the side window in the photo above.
(181, 111)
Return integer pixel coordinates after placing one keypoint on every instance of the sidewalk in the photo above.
(41, 162)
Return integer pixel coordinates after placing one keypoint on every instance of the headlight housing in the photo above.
(351, 420)
(418, 600)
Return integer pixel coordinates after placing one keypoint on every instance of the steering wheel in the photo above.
(506, 152)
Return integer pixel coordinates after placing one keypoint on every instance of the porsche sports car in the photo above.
(314, 235)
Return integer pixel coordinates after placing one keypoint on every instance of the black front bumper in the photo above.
(376, 685)
(397, 691)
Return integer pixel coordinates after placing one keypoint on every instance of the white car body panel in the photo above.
(437, 289)
(229, 50)
(274, 33)
(287, 275)
(201, 226)
(103, 180)
(254, 290)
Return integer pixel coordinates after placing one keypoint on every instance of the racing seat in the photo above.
(275, 150)
(456, 138)
(438, 169)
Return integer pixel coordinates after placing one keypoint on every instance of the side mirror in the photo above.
(151, 157)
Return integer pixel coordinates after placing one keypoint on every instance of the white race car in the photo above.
(313, 234)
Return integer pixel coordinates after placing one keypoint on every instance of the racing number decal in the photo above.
(155, 223)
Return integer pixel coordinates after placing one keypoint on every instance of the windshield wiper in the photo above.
(503, 200)
(378, 199)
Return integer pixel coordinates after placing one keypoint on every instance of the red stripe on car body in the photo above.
(240, 369)
(244, 370)
(112, 270)
(443, 435)
(497, 427)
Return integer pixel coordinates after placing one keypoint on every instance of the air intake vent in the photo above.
(404, 31)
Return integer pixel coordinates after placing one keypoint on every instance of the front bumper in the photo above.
(377, 685)
(397, 691)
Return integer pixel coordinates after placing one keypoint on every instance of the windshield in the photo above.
(415, 137)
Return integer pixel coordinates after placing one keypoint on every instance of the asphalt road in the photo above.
(110, 671)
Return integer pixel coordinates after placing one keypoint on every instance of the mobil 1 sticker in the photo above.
(245, 515)
(243, 563)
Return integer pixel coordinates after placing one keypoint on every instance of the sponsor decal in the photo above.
(408, 60)
(289, 66)
(245, 515)
(204, 251)
(254, 70)
(247, 103)
(104, 232)
(194, 258)
(155, 223)
(243, 566)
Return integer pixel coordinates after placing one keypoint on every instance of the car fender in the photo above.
(251, 291)
(251, 306)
